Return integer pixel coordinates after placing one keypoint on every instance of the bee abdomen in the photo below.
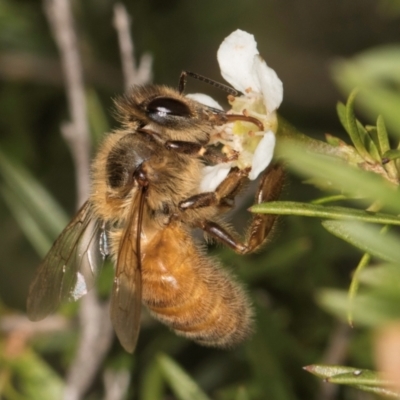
(195, 297)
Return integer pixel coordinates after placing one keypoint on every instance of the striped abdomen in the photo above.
(190, 293)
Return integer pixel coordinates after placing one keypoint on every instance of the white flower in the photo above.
(242, 66)
(204, 99)
(213, 176)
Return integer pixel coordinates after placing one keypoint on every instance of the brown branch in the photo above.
(335, 353)
(13, 323)
(95, 341)
(116, 384)
(96, 330)
(76, 132)
(132, 75)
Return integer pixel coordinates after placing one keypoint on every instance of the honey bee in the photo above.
(144, 203)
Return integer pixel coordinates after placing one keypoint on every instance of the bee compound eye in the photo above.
(167, 106)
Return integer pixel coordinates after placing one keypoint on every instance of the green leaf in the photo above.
(385, 277)
(376, 72)
(329, 199)
(341, 111)
(367, 238)
(379, 391)
(33, 197)
(369, 309)
(40, 382)
(29, 225)
(327, 371)
(242, 394)
(391, 154)
(358, 136)
(340, 176)
(358, 377)
(152, 383)
(355, 280)
(373, 134)
(370, 142)
(270, 345)
(383, 137)
(332, 140)
(317, 211)
(182, 385)
(97, 117)
(362, 379)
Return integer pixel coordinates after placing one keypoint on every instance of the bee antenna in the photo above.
(218, 85)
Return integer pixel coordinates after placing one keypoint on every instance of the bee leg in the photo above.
(222, 235)
(223, 196)
(269, 189)
(261, 225)
(183, 147)
(200, 200)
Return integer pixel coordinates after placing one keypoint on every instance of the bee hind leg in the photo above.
(261, 225)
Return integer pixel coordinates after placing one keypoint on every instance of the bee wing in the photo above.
(126, 298)
(70, 267)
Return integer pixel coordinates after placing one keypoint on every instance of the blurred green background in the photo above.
(301, 41)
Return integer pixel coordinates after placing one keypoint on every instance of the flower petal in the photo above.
(235, 58)
(270, 85)
(204, 99)
(263, 154)
(213, 176)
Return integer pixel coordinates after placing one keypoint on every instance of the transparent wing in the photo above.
(70, 267)
(126, 298)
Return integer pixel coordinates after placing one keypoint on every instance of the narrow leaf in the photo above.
(40, 382)
(355, 280)
(391, 155)
(242, 394)
(372, 70)
(367, 238)
(37, 200)
(369, 143)
(381, 391)
(327, 371)
(318, 211)
(183, 386)
(364, 380)
(369, 310)
(38, 238)
(97, 117)
(152, 383)
(382, 134)
(357, 136)
(359, 377)
(340, 176)
(341, 111)
(329, 199)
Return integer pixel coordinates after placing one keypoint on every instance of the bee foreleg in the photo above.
(183, 147)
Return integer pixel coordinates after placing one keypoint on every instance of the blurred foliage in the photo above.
(299, 283)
